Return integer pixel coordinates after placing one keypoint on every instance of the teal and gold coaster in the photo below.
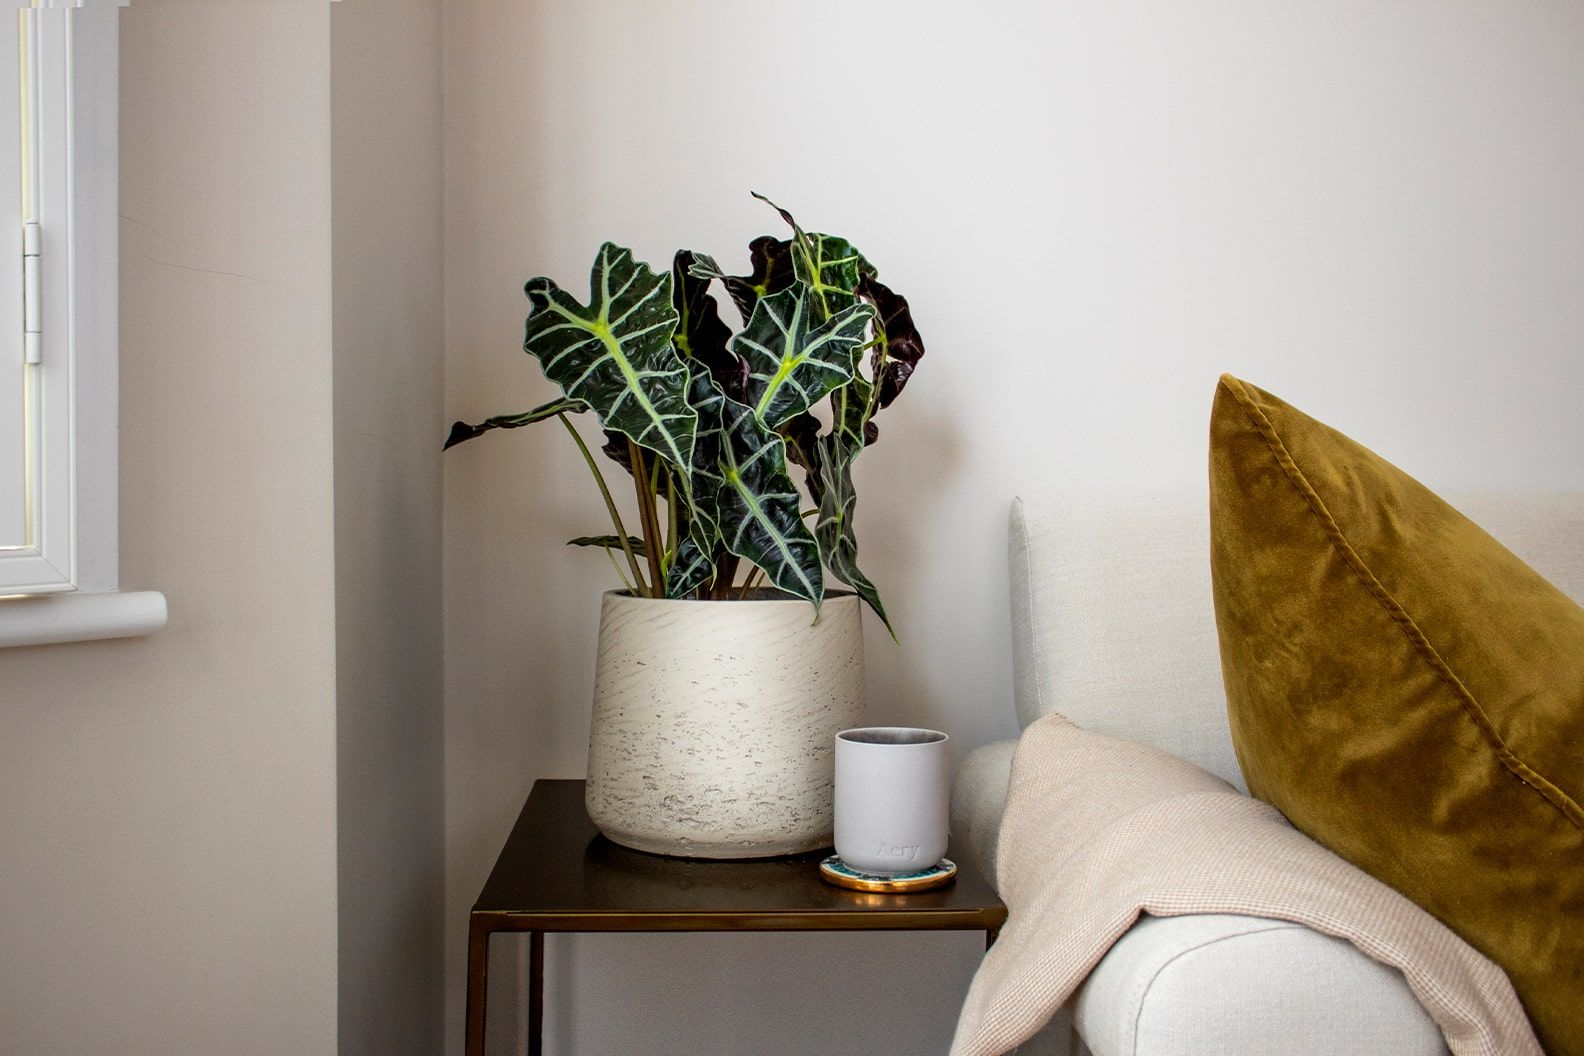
(835, 871)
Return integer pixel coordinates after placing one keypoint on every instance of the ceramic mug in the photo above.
(892, 790)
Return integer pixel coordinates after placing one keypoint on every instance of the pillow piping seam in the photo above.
(1558, 799)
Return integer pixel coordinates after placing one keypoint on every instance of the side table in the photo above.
(557, 873)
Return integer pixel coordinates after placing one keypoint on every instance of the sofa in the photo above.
(1114, 627)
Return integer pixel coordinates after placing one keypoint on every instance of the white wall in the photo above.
(1375, 210)
(385, 157)
(167, 805)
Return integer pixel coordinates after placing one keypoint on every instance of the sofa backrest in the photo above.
(1113, 623)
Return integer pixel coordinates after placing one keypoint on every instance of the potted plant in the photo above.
(726, 665)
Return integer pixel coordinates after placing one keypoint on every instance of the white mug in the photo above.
(892, 789)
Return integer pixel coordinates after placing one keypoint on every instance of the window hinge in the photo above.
(32, 318)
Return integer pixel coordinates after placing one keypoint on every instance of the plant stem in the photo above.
(672, 518)
(749, 581)
(610, 505)
(619, 573)
(651, 522)
(725, 572)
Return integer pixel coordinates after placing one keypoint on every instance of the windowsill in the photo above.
(53, 618)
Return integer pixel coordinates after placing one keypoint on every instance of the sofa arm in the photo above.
(1246, 986)
(978, 800)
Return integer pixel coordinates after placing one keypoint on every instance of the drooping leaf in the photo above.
(757, 503)
(829, 265)
(615, 354)
(794, 357)
(900, 347)
(834, 529)
(612, 542)
(461, 431)
(852, 429)
(691, 568)
(851, 423)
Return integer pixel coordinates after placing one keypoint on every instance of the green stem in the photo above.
(672, 519)
(610, 505)
(619, 573)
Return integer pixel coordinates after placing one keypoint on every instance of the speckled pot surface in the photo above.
(715, 722)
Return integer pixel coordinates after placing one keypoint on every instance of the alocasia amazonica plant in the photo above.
(708, 423)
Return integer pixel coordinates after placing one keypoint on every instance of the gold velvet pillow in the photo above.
(1405, 690)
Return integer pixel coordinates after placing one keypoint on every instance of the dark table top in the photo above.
(557, 873)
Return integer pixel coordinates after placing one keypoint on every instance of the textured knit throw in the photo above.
(1099, 830)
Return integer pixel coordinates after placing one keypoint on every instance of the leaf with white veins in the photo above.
(615, 354)
(830, 266)
(758, 505)
(694, 562)
(834, 529)
(851, 423)
(794, 357)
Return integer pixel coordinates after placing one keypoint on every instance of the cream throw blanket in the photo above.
(1098, 830)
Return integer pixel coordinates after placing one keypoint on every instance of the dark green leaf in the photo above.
(794, 356)
(834, 529)
(900, 347)
(461, 431)
(615, 354)
(830, 266)
(611, 542)
(691, 568)
(851, 406)
(694, 562)
(757, 503)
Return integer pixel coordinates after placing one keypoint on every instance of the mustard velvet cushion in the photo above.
(1405, 690)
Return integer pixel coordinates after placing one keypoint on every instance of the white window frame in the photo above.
(69, 565)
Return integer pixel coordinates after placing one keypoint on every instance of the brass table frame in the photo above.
(549, 879)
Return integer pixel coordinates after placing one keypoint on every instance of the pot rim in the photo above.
(785, 599)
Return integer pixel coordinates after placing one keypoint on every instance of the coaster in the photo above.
(835, 871)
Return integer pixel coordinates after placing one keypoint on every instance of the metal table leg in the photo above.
(477, 984)
(535, 993)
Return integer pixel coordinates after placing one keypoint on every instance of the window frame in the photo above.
(71, 560)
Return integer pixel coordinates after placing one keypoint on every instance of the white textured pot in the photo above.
(714, 722)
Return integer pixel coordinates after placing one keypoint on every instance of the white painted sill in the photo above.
(48, 619)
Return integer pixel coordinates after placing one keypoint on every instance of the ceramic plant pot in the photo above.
(714, 722)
